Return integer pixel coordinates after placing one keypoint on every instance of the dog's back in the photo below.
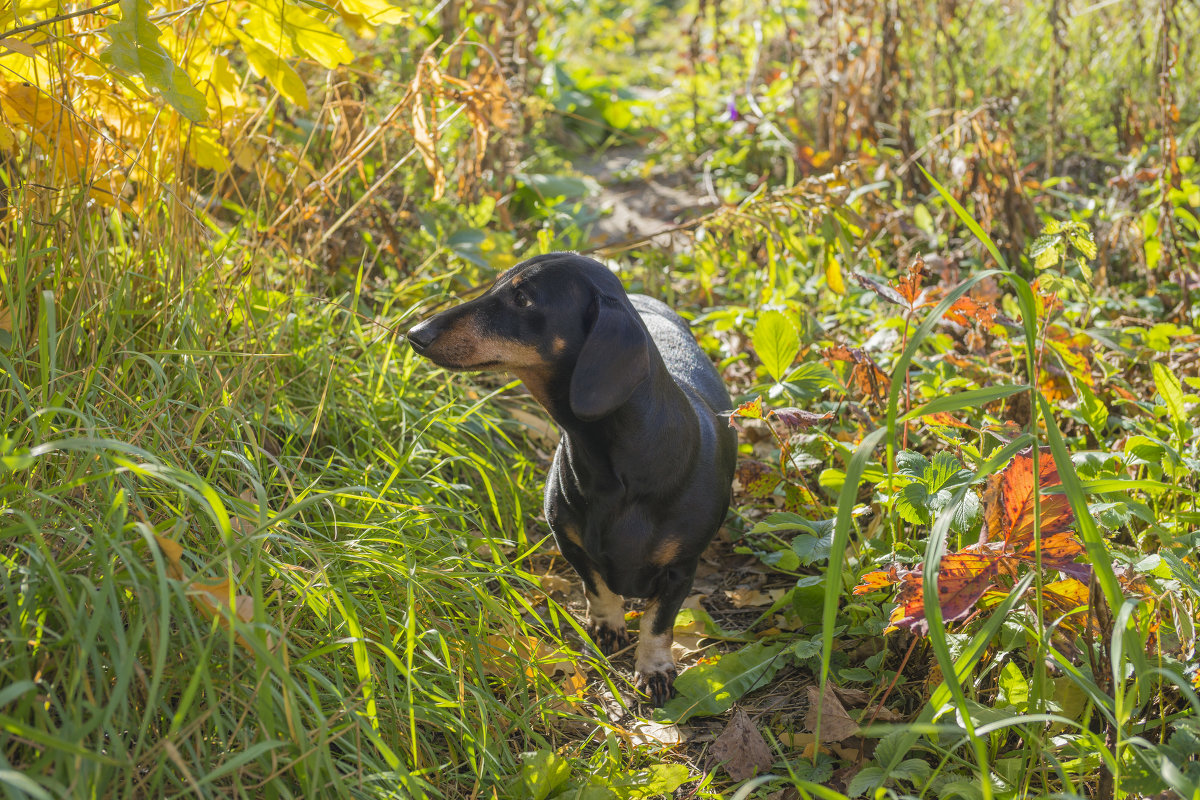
(684, 359)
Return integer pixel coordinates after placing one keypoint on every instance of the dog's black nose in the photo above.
(422, 335)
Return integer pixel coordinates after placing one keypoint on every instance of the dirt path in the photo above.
(637, 206)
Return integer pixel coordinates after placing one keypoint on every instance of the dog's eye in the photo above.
(521, 299)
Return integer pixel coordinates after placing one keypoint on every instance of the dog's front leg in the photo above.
(655, 665)
(606, 608)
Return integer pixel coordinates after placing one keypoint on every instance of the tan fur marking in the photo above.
(665, 553)
(573, 536)
(559, 345)
(653, 652)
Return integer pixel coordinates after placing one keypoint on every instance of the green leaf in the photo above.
(1094, 412)
(1014, 688)
(867, 779)
(1170, 390)
(913, 504)
(710, 689)
(657, 781)
(542, 772)
(776, 341)
(911, 464)
(135, 49)
(973, 398)
(945, 472)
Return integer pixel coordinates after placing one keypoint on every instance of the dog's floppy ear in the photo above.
(613, 361)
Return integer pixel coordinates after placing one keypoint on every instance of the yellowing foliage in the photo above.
(120, 98)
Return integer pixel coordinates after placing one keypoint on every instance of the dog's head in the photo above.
(560, 322)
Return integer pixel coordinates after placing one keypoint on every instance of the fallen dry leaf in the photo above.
(240, 523)
(836, 724)
(741, 748)
(749, 598)
(656, 733)
(554, 584)
(510, 654)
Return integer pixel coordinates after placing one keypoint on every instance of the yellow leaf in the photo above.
(212, 598)
(223, 86)
(173, 551)
(206, 150)
(18, 46)
(277, 71)
(425, 137)
(833, 272)
(505, 656)
(376, 12)
(289, 31)
(317, 39)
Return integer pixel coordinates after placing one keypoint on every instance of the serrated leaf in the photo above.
(867, 779)
(944, 472)
(911, 464)
(913, 504)
(1083, 242)
(135, 49)
(776, 341)
(1046, 258)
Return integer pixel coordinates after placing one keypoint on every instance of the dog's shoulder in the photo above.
(686, 362)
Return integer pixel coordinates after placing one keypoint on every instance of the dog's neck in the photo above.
(658, 418)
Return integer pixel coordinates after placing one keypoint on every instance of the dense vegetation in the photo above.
(944, 253)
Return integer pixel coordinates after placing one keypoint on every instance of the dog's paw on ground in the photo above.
(607, 638)
(657, 686)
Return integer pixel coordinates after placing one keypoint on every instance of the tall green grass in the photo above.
(370, 520)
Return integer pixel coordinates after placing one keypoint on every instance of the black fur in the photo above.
(641, 479)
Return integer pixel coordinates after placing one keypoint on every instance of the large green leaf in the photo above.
(776, 341)
(713, 688)
(135, 49)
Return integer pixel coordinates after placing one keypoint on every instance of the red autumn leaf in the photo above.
(866, 378)
(963, 577)
(909, 286)
(967, 312)
(941, 419)
(1008, 501)
(797, 418)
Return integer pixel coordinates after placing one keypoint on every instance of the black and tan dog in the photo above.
(641, 478)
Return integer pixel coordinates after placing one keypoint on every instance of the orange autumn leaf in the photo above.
(967, 312)
(1009, 542)
(751, 409)
(942, 419)
(908, 285)
(1008, 501)
(866, 378)
(877, 580)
